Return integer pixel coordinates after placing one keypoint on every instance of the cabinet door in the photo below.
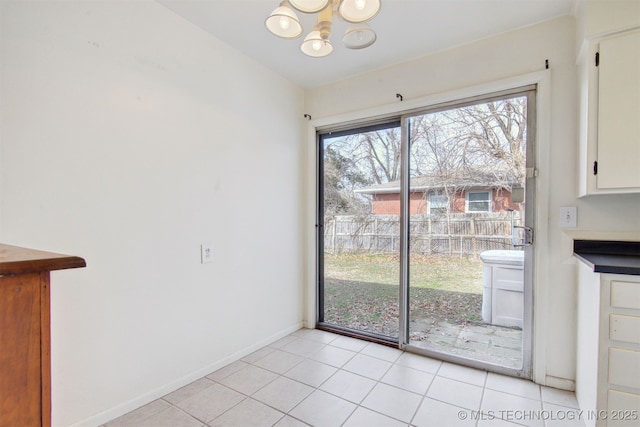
(619, 112)
(20, 352)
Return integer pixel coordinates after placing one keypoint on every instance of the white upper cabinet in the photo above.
(610, 115)
(619, 112)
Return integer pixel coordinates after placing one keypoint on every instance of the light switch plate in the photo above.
(206, 253)
(568, 217)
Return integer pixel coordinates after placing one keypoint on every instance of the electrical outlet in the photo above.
(206, 253)
(568, 217)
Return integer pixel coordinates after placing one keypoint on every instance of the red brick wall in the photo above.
(389, 204)
(457, 204)
(502, 201)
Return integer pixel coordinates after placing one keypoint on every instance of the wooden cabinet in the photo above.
(25, 350)
(610, 114)
(608, 348)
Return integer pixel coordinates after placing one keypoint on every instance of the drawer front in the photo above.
(623, 409)
(624, 328)
(625, 294)
(624, 367)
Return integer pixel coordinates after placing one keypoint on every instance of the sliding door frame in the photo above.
(530, 92)
(541, 275)
(386, 123)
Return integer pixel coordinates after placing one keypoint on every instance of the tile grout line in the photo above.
(315, 388)
(359, 405)
(325, 340)
(424, 396)
(379, 381)
(341, 368)
(484, 389)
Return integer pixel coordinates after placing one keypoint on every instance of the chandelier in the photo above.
(283, 22)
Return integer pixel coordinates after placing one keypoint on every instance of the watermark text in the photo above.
(549, 415)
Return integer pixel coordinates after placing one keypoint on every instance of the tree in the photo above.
(376, 153)
(497, 134)
(341, 178)
(356, 161)
(487, 139)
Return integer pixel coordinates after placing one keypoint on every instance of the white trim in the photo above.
(157, 393)
(466, 199)
(429, 195)
(389, 190)
(541, 273)
(398, 108)
(543, 131)
(310, 292)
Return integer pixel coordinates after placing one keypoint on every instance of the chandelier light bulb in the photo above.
(359, 37)
(309, 6)
(315, 46)
(283, 22)
(358, 11)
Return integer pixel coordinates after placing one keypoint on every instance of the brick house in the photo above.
(456, 193)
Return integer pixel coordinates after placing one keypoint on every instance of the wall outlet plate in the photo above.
(568, 217)
(206, 253)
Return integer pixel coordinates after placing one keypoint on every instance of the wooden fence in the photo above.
(463, 234)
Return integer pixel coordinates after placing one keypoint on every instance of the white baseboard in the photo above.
(125, 407)
(560, 383)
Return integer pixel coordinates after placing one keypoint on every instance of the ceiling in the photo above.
(406, 29)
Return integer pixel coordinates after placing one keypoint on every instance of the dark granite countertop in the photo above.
(609, 256)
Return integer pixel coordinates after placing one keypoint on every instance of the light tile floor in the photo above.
(321, 379)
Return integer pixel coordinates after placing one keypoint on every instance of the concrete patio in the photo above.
(483, 342)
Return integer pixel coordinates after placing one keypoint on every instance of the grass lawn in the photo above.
(361, 290)
(448, 273)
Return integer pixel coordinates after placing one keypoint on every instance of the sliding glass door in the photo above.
(467, 186)
(359, 236)
(425, 231)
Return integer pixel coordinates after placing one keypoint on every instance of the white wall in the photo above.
(508, 55)
(596, 18)
(129, 137)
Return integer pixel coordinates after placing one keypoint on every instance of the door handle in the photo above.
(527, 240)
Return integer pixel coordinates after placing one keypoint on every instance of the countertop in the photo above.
(17, 260)
(614, 257)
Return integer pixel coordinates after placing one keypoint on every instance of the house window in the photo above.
(478, 201)
(438, 204)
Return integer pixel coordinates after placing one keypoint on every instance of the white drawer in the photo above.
(625, 294)
(624, 367)
(624, 328)
(621, 407)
